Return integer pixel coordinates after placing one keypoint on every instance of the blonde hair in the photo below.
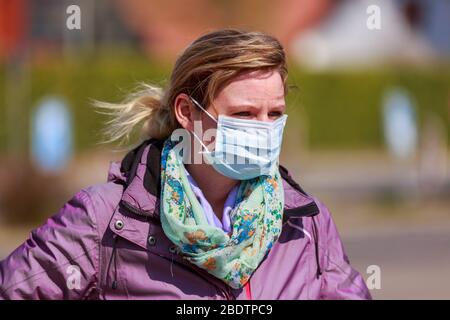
(202, 69)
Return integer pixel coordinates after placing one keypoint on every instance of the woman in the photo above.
(194, 213)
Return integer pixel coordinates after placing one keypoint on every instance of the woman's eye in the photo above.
(248, 114)
(242, 114)
(275, 114)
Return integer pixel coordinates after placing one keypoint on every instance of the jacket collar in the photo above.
(139, 172)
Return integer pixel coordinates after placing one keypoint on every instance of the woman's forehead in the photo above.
(253, 88)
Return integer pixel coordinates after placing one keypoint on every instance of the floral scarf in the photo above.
(256, 220)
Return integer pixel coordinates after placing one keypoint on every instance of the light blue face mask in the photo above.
(244, 149)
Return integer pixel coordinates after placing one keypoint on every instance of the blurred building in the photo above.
(318, 32)
(167, 26)
(411, 31)
(39, 27)
(161, 28)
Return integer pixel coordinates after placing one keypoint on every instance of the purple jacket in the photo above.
(107, 243)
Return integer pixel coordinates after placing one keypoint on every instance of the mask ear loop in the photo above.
(206, 151)
(201, 142)
(198, 105)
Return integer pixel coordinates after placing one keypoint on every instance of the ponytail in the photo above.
(145, 105)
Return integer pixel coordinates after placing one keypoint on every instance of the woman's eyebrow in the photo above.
(237, 106)
(242, 108)
(251, 106)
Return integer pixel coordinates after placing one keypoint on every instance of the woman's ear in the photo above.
(184, 111)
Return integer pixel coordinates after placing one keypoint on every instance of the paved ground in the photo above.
(414, 262)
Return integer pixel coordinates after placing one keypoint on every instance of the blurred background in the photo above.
(368, 121)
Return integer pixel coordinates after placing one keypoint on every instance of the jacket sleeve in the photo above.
(59, 260)
(339, 279)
